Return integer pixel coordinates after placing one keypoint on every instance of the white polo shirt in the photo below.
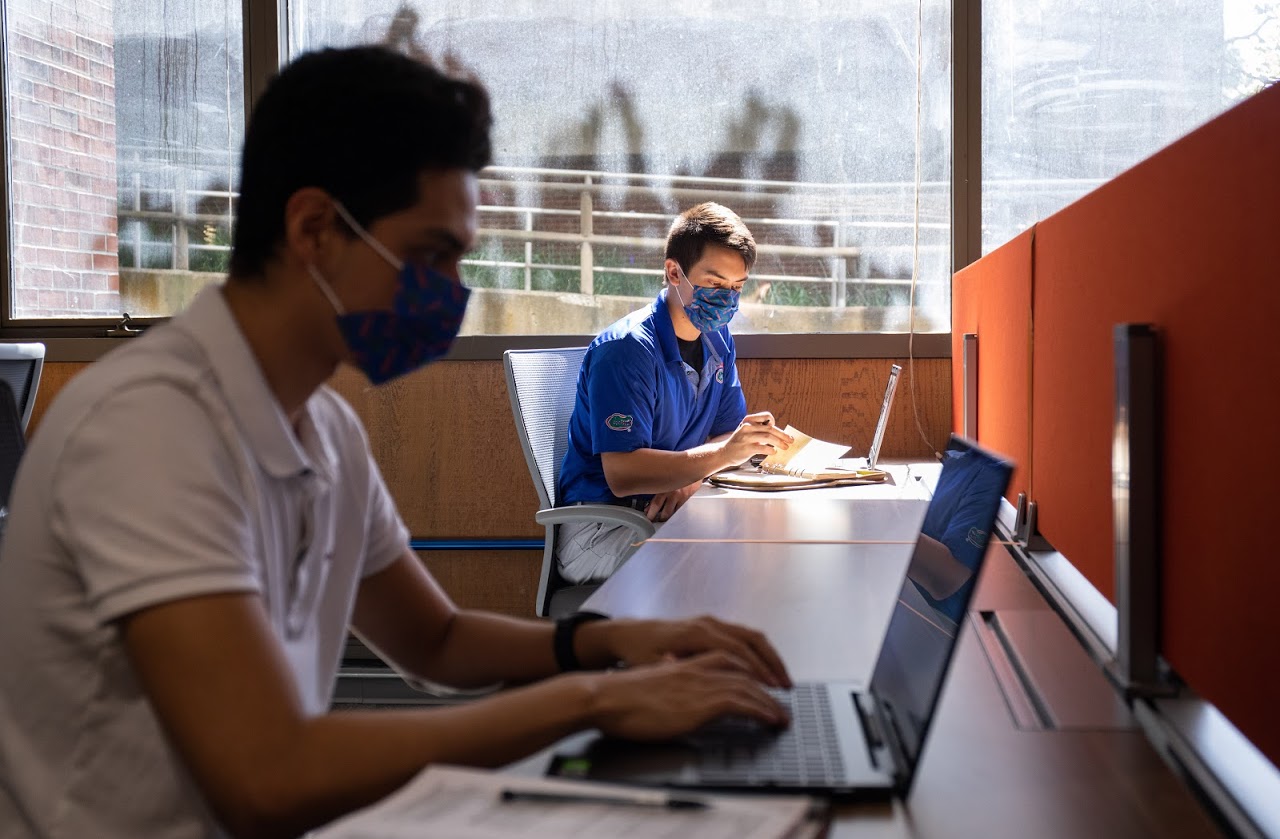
(167, 470)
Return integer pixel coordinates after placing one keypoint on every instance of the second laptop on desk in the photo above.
(845, 741)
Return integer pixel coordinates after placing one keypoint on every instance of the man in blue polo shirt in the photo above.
(659, 404)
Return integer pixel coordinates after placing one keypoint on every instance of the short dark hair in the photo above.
(708, 224)
(361, 124)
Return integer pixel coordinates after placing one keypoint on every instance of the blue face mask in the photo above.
(708, 309)
(424, 318)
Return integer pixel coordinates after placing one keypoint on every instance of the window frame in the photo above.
(265, 31)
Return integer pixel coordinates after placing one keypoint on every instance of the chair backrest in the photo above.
(543, 385)
(20, 366)
(12, 442)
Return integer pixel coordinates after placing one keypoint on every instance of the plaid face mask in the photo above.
(420, 326)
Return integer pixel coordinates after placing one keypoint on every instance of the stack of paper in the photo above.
(809, 463)
(807, 458)
(473, 804)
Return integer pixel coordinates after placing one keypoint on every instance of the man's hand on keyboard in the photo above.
(672, 698)
(650, 641)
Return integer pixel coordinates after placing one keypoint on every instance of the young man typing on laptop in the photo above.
(659, 405)
(199, 520)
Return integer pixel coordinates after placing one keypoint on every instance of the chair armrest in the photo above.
(625, 516)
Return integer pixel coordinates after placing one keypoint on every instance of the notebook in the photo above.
(846, 740)
(811, 463)
(805, 464)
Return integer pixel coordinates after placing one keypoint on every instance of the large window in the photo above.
(825, 125)
(612, 117)
(1075, 93)
(124, 122)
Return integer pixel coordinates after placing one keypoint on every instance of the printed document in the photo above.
(469, 804)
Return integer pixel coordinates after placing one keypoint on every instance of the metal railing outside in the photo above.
(578, 226)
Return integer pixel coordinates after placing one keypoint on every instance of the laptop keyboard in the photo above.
(738, 752)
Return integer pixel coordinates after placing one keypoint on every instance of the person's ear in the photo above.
(672, 269)
(309, 225)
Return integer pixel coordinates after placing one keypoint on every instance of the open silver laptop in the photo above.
(846, 741)
(873, 454)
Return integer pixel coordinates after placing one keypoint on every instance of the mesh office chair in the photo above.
(12, 444)
(20, 367)
(542, 385)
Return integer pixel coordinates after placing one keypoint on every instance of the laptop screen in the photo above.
(873, 454)
(937, 589)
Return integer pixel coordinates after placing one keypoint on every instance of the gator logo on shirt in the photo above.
(720, 375)
(977, 537)
(619, 422)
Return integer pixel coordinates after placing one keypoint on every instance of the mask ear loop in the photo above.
(683, 279)
(377, 246)
(328, 292)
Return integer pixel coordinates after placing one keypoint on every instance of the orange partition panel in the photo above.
(992, 297)
(1186, 241)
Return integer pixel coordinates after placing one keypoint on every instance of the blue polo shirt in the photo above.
(635, 392)
(962, 511)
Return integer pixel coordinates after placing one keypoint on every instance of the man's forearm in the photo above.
(482, 648)
(648, 471)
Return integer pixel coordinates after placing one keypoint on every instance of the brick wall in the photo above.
(63, 151)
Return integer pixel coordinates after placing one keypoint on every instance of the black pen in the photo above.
(659, 800)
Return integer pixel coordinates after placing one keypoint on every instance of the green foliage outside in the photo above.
(212, 261)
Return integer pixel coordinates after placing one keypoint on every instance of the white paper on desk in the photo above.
(807, 454)
(467, 804)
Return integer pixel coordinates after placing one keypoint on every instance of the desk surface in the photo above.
(826, 606)
(832, 636)
(770, 518)
(888, 512)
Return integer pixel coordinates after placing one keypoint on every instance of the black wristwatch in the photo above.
(562, 641)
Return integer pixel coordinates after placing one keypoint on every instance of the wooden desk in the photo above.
(789, 517)
(826, 606)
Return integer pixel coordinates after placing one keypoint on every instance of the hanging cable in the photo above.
(915, 237)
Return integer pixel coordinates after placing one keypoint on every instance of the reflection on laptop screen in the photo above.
(937, 589)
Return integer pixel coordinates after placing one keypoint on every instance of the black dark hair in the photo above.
(708, 224)
(361, 124)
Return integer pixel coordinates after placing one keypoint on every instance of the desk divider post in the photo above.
(970, 391)
(1026, 528)
(1135, 496)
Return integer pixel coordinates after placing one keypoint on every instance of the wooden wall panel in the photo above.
(497, 581)
(446, 443)
(53, 376)
(839, 400)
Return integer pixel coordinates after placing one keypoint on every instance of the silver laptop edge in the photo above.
(873, 454)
